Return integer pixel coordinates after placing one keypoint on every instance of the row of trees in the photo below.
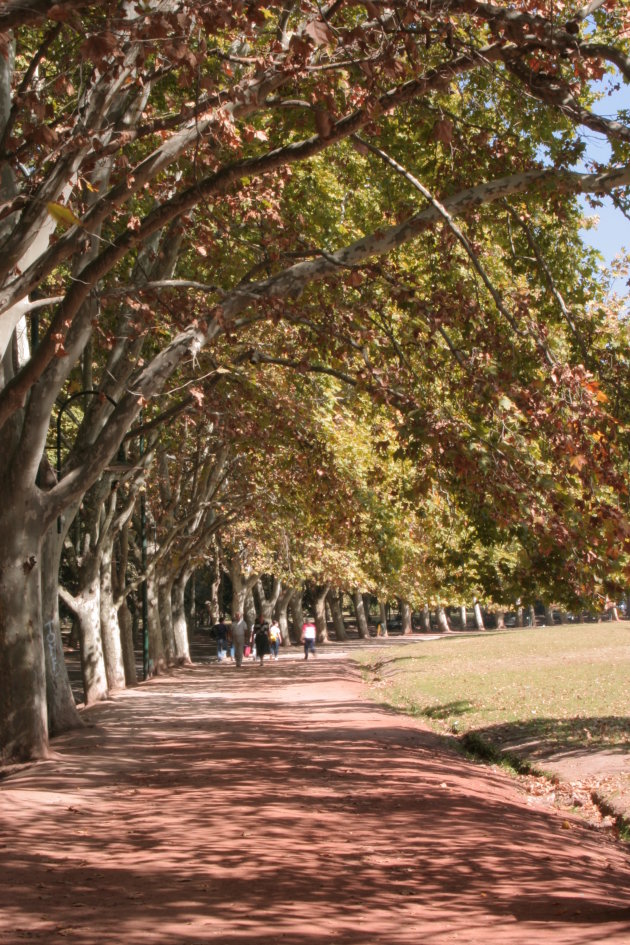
(304, 281)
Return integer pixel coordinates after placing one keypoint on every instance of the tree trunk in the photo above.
(463, 616)
(479, 624)
(165, 586)
(266, 605)
(405, 617)
(334, 599)
(382, 611)
(297, 616)
(367, 606)
(532, 615)
(180, 628)
(125, 622)
(520, 616)
(23, 714)
(281, 610)
(110, 629)
(320, 614)
(157, 656)
(549, 616)
(62, 711)
(442, 620)
(425, 617)
(359, 612)
(87, 607)
(500, 620)
(249, 611)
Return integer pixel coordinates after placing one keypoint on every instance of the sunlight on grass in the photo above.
(557, 686)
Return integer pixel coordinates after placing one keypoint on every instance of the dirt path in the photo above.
(279, 805)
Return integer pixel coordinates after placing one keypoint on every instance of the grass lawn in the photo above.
(529, 691)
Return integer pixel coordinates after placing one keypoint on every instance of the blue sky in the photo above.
(612, 233)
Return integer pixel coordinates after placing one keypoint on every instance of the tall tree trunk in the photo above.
(157, 656)
(180, 629)
(359, 612)
(110, 628)
(215, 586)
(442, 620)
(549, 615)
(62, 711)
(367, 607)
(532, 615)
(241, 586)
(479, 624)
(297, 616)
(250, 609)
(266, 605)
(520, 617)
(165, 585)
(405, 617)
(334, 599)
(87, 608)
(500, 620)
(463, 616)
(281, 610)
(425, 617)
(192, 607)
(23, 713)
(320, 613)
(382, 617)
(125, 622)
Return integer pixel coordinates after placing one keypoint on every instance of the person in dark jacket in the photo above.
(262, 640)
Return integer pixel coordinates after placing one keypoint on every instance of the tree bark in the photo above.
(281, 610)
(157, 656)
(297, 616)
(125, 622)
(425, 617)
(479, 624)
(180, 628)
(23, 713)
(463, 616)
(110, 628)
(320, 613)
(500, 620)
(359, 612)
(405, 617)
(334, 599)
(165, 585)
(442, 620)
(382, 610)
(62, 711)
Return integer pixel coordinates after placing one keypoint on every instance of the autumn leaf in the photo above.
(319, 32)
(63, 215)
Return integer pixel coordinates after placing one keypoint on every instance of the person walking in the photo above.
(221, 632)
(309, 635)
(239, 629)
(274, 639)
(262, 640)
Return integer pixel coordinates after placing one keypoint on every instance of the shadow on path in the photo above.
(276, 805)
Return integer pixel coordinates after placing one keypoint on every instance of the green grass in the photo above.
(531, 691)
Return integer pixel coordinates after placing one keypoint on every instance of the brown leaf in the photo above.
(443, 130)
(320, 32)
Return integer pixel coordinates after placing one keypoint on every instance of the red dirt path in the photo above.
(278, 805)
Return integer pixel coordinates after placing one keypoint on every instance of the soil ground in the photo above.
(280, 805)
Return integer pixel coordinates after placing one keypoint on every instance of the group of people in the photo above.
(235, 641)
